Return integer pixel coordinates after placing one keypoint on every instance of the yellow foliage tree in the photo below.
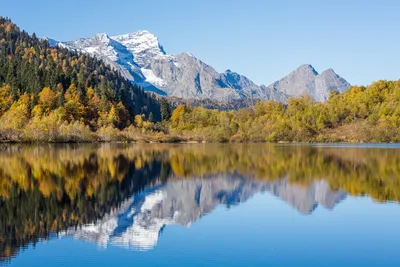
(5, 98)
(47, 98)
(15, 118)
(139, 121)
(113, 118)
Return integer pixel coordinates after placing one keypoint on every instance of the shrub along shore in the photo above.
(361, 114)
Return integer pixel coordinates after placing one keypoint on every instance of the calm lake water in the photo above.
(199, 205)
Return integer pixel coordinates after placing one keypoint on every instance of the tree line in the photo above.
(51, 94)
(45, 88)
(361, 114)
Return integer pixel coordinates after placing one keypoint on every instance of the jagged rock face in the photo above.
(139, 221)
(306, 80)
(144, 46)
(188, 77)
(140, 57)
(274, 94)
(246, 88)
(328, 81)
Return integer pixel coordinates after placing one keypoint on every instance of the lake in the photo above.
(199, 205)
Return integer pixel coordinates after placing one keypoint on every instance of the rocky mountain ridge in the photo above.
(141, 58)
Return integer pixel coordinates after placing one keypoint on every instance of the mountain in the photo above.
(30, 67)
(139, 221)
(110, 51)
(306, 80)
(242, 84)
(141, 58)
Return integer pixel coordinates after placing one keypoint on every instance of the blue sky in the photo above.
(261, 39)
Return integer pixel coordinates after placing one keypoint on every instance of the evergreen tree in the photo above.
(165, 110)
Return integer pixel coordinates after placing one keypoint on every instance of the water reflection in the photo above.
(140, 220)
(125, 195)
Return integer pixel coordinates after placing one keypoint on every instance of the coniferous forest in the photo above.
(51, 94)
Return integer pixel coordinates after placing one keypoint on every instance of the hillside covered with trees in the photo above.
(361, 114)
(50, 94)
(45, 88)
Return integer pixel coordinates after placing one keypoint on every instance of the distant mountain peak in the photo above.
(141, 58)
(143, 32)
(144, 45)
(102, 37)
(306, 80)
(142, 38)
(135, 34)
(328, 71)
(307, 68)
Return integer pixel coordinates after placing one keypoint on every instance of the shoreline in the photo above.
(190, 142)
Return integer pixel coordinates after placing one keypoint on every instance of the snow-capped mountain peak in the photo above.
(102, 37)
(141, 58)
(144, 46)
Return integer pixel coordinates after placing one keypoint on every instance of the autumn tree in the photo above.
(47, 99)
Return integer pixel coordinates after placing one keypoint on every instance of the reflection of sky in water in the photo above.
(253, 205)
(263, 230)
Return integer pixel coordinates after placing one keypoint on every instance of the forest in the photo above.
(361, 114)
(51, 94)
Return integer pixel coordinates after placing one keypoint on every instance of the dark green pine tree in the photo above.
(81, 87)
(165, 110)
(61, 99)
(122, 93)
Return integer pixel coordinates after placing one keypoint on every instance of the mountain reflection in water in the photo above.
(125, 195)
(139, 221)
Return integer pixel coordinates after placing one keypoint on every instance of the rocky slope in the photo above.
(306, 80)
(143, 60)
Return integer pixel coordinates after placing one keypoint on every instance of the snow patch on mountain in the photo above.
(141, 58)
(144, 46)
(152, 78)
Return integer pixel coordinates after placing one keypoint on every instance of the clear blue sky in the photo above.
(261, 39)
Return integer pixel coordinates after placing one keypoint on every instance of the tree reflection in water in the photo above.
(125, 194)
